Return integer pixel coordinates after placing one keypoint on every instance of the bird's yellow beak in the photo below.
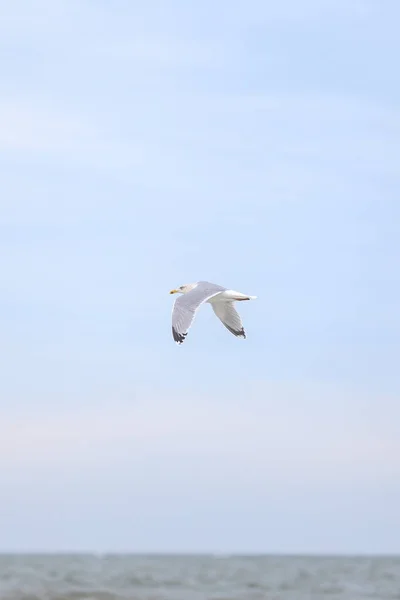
(173, 291)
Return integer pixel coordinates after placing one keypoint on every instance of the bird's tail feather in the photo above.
(243, 297)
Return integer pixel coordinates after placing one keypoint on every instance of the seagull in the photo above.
(194, 295)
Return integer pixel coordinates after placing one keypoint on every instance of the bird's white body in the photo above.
(230, 296)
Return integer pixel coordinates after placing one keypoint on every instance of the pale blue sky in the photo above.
(145, 145)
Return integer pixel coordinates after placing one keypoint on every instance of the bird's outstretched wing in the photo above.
(229, 316)
(185, 308)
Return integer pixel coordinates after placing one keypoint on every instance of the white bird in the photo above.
(194, 295)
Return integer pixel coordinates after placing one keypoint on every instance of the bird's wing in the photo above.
(185, 308)
(229, 316)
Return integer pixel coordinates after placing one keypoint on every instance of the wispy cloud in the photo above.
(299, 428)
(37, 129)
(147, 52)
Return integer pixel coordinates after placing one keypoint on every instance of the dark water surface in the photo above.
(119, 577)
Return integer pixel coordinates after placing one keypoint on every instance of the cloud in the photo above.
(30, 12)
(268, 431)
(26, 127)
(163, 52)
(36, 129)
(302, 125)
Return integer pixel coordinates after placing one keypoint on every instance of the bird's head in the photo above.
(184, 289)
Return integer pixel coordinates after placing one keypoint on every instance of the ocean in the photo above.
(134, 577)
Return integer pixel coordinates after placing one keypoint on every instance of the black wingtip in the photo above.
(179, 338)
(236, 332)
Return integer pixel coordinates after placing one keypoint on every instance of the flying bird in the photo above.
(194, 295)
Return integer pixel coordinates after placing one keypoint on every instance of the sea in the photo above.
(134, 577)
